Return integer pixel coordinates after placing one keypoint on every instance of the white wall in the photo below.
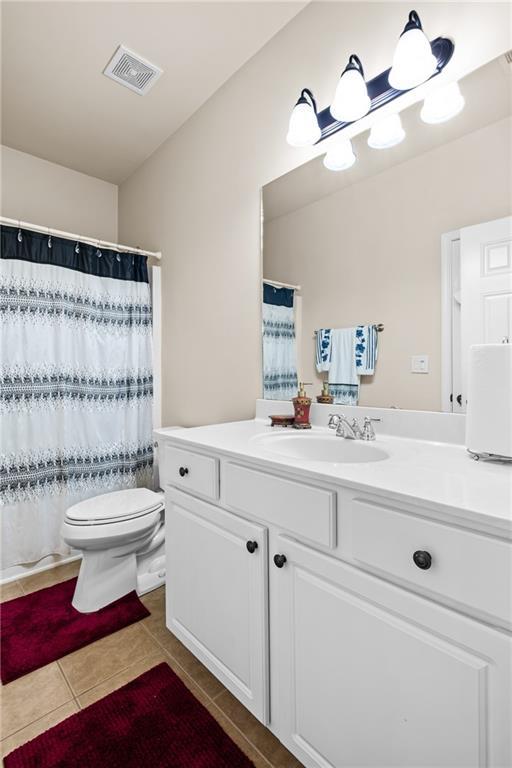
(40, 192)
(197, 198)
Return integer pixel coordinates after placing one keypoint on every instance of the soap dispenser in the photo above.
(301, 405)
(324, 396)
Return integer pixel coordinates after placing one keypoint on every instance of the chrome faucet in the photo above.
(352, 430)
(343, 427)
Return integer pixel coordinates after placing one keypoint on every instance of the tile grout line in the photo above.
(119, 672)
(70, 687)
(13, 733)
(110, 676)
(247, 739)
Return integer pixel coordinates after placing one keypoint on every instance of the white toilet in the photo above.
(122, 538)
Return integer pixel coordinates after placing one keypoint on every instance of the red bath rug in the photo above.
(43, 626)
(153, 721)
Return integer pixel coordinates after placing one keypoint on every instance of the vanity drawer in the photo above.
(465, 567)
(191, 471)
(305, 510)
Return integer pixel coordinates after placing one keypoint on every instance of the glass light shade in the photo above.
(340, 156)
(351, 100)
(303, 129)
(443, 104)
(386, 132)
(413, 61)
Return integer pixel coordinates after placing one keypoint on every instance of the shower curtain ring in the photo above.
(49, 238)
(20, 236)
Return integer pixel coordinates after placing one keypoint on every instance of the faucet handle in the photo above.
(368, 430)
(357, 429)
(334, 420)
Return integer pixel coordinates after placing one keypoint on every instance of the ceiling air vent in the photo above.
(131, 70)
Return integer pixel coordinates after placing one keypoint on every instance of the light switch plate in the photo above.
(419, 364)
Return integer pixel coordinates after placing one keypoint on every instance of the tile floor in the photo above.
(43, 698)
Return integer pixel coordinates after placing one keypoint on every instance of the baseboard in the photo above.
(19, 572)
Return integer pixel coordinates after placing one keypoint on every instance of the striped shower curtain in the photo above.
(279, 344)
(75, 383)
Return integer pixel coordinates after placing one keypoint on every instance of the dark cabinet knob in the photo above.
(252, 546)
(279, 560)
(422, 559)
(183, 471)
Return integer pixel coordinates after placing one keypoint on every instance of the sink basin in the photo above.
(326, 448)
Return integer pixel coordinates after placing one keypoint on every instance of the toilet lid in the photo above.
(118, 505)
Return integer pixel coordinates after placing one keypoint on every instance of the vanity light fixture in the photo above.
(303, 129)
(442, 104)
(340, 156)
(413, 62)
(351, 100)
(386, 132)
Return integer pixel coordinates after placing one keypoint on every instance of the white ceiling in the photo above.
(488, 95)
(57, 104)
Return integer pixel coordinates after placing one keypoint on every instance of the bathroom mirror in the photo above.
(415, 239)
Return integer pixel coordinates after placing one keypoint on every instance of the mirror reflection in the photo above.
(379, 277)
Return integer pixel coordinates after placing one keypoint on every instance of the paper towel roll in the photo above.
(489, 407)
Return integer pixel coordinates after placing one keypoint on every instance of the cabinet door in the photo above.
(367, 674)
(217, 594)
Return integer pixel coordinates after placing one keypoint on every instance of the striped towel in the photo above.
(366, 349)
(323, 349)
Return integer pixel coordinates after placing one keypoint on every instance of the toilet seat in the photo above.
(115, 507)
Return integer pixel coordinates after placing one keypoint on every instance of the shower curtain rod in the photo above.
(277, 284)
(79, 238)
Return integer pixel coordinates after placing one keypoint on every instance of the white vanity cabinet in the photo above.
(217, 594)
(371, 675)
(350, 652)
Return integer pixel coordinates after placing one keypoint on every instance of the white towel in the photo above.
(342, 370)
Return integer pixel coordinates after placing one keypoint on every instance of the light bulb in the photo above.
(303, 129)
(386, 132)
(340, 156)
(351, 100)
(442, 104)
(413, 62)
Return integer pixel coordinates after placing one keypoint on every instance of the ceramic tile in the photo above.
(10, 591)
(31, 697)
(238, 737)
(50, 577)
(197, 671)
(155, 602)
(37, 727)
(121, 678)
(263, 739)
(95, 663)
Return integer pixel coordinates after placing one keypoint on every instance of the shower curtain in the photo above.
(279, 344)
(76, 383)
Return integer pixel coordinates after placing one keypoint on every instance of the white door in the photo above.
(217, 594)
(486, 287)
(371, 675)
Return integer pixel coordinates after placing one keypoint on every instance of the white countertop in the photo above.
(442, 475)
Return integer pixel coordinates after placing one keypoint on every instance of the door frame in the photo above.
(447, 240)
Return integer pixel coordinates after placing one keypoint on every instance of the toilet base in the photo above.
(104, 577)
(151, 571)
